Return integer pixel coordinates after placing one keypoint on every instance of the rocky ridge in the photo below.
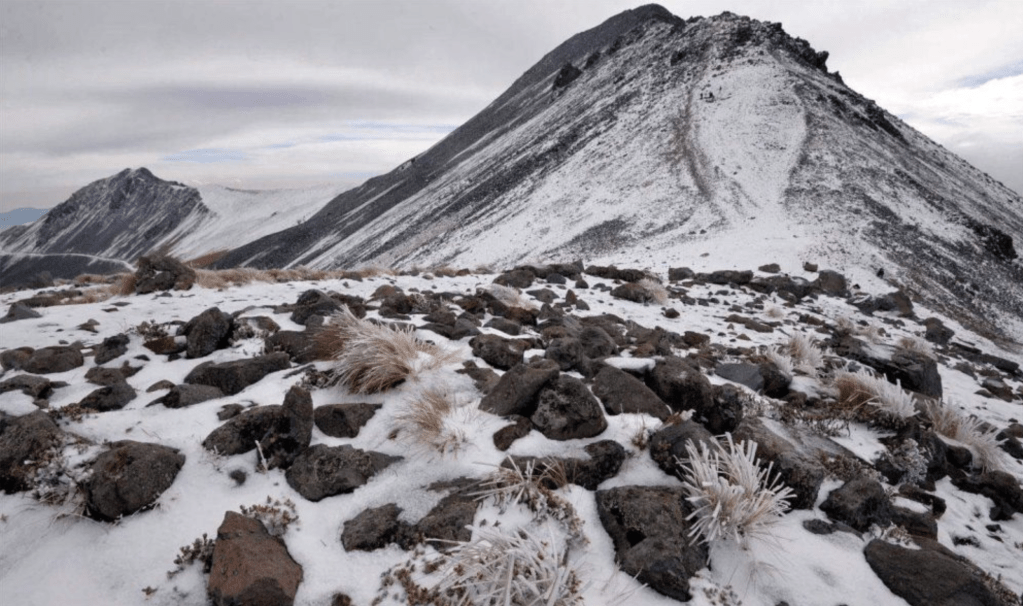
(571, 397)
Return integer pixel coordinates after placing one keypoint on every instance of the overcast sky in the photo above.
(264, 94)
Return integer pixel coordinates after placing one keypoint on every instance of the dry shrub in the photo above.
(429, 420)
(205, 260)
(872, 398)
(370, 358)
(124, 286)
(806, 355)
(951, 423)
(510, 296)
(444, 271)
(774, 312)
(655, 291)
(918, 345)
(733, 497)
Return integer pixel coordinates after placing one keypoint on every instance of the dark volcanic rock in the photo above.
(929, 576)
(506, 436)
(497, 351)
(110, 348)
(800, 472)
(241, 433)
(567, 410)
(1001, 487)
(374, 528)
(31, 385)
(680, 385)
(449, 520)
(109, 397)
(207, 332)
(344, 420)
(250, 566)
(566, 352)
(162, 273)
(22, 439)
(620, 393)
(859, 503)
(742, 373)
(516, 392)
(184, 395)
(649, 530)
(323, 471)
(129, 476)
(294, 431)
(232, 377)
(48, 360)
(597, 343)
(668, 445)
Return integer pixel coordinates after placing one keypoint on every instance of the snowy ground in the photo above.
(51, 556)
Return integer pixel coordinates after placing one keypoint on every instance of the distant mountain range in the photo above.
(648, 140)
(20, 216)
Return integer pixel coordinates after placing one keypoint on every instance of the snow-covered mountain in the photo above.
(108, 224)
(709, 142)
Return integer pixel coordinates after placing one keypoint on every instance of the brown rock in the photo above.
(250, 566)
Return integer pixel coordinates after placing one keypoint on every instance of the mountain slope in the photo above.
(108, 224)
(711, 143)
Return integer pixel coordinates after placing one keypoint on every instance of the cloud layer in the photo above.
(273, 94)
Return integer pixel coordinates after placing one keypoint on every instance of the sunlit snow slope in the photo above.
(713, 143)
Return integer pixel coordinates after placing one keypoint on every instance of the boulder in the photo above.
(206, 333)
(567, 410)
(802, 473)
(111, 348)
(677, 274)
(860, 503)
(344, 420)
(48, 360)
(506, 436)
(497, 351)
(668, 445)
(650, 533)
(680, 384)
(159, 272)
(605, 459)
(449, 521)
(516, 392)
(31, 385)
(293, 433)
(129, 476)
(24, 438)
(241, 433)
(632, 291)
(375, 528)
(930, 575)
(728, 276)
(232, 377)
(742, 373)
(620, 393)
(19, 311)
(322, 471)
(109, 397)
(597, 343)
(516, 278)
(1001, 487)
(830, 282)
(250, 566)
(166, 346)
(937, 332)
(566, 352)
(184, 395)
(300, 346)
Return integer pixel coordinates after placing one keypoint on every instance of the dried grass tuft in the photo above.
(872, 398)
(951, 423)
(370, 358)
(807, 357)
(734, 498)
(433, 419)
(655, 291)
(918, 345)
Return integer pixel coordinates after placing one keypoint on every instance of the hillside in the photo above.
(134, 428)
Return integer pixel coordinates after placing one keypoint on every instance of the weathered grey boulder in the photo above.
(621, 392)
(184, 395)
(158, 272)
(241, 433)
(206, 333)
(129, 476)
(22, 439)
(109, 397)
(517, 390)
(344, 420)
(111, 348)
(802, 473)
(375, 528)
(31, 385)
(567, 410)
(294, 431)
(323, 471)
(930, 576)
(48, 360)
(232, 377)
(251, 567)
(19, 311)
(497, 351)
(681, 385)
(860, 503)
(649, 530)
(605, 459)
